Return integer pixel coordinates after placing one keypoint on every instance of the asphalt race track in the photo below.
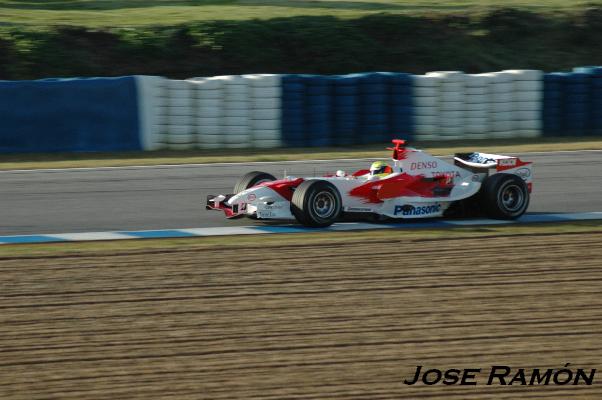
(164, 197)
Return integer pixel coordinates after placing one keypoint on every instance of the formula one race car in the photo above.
(418, 185)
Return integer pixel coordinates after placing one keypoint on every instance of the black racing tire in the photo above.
(504, 196)
(251, 179)
(316, 203)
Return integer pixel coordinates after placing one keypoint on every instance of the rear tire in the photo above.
(316, 203)
(504, 196)
(251, 179)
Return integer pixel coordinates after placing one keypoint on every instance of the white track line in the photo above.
(87, 236)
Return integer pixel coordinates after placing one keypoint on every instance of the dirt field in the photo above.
(336, 321)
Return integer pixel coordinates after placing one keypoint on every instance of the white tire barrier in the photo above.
(477, 113)
(259, 125)
(181, 120)
(477, 90)
(209, 112)
(506, 107)
(151, 111)
(427, 89)
(528, 96)
(426, 81)
(426, 102)
(501, 107)
(452, 101)
(211, 94)
(420, 112)
(449, 76)
(235, 121)
(428, 120)
(266, 114)
(527, 101)
(478, 99)
(180, 111)
(272, 103)
(203, 103)
(501, 97)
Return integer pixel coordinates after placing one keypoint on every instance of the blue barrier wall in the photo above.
(64, 115)
(572, 102)
(401, 106)
(346, 109)
(293, 111)
(553, 103)
(576, 104)
(374, 108)
(594, 108)
(318, 110)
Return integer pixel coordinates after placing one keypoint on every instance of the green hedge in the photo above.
(501, 39)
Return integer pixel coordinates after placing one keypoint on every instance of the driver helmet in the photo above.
(379, 167)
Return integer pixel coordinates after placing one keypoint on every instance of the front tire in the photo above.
(316, 203)
(251, 179)
(504, 196)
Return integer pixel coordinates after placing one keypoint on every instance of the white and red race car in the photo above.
(418, 185)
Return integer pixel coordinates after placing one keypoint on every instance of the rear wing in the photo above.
(504, 164)
(483, 162)
(480, 161)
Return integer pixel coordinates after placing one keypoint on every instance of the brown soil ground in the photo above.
(342, 321)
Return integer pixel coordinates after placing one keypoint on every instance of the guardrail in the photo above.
(266, 111)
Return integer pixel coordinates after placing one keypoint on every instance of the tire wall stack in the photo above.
(179, 130)
(151, 111)
(553, 103)
(209, 112)
(345, 109)
(401, 103)
(427, 90)
(501, 105)
(450, 105)
(230, 111)
(268, 111)
(265, 111)
(594, 108)
(477, 106)
(266, 105)
(576, 103)
(572, 102)
(236, 118)
(293, 126)
(374, 113)
(318, 111)
(527, 100)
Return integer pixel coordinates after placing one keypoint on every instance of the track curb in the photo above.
(279, 229)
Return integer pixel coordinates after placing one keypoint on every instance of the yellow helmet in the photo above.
(379, 167)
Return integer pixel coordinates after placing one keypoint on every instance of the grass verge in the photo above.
(98, 13)
(95, 160)
(304, 239)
